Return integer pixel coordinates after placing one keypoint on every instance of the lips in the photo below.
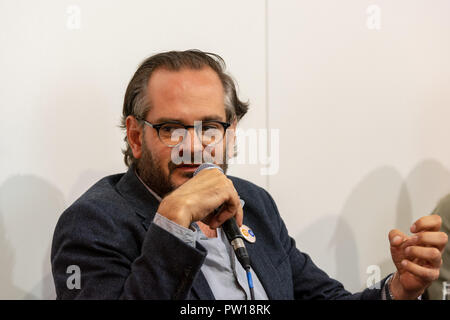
(187, 167)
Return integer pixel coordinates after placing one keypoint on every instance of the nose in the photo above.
(191, 143)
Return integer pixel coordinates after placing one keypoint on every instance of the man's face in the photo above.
(183, 96)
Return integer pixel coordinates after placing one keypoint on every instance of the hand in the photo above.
(198, 197)
(418, 258)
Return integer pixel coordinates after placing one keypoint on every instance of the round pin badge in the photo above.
(248, 233)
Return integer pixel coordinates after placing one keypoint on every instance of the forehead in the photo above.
(185, 93)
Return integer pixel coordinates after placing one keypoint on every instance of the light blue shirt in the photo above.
(223, 272)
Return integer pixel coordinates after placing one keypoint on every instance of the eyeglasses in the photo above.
(172, 134)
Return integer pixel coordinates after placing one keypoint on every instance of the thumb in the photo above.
(396, 238)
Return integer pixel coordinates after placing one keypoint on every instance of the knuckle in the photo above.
(429, 274)
(225, 215)
(435, 254)
(219, 219)
(411, 251)
(435, 274)
(420, 237)
(419, 222)
(228, 182)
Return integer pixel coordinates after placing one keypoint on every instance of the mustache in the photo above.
(172, 166)
(192, 159)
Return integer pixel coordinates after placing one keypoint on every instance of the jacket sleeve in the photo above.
(111, 267)
(309, 281)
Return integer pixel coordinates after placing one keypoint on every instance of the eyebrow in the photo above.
(205, 118)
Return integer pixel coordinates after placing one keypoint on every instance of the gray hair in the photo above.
(137, 103)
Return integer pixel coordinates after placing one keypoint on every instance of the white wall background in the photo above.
(362, 114)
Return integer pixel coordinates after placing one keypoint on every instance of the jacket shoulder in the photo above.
(250, 191)
(102, 190)
(95, 211)
(244, 186)
(258, 202)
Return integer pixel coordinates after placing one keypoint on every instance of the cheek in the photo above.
(159, 153)
(164, 156)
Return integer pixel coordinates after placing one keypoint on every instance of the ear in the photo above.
(135, 134)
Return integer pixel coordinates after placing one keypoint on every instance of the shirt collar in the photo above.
(148, 188)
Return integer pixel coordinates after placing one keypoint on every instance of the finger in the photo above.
(220, 218)
(232, 207)
(240, 215)
(211, 171)
(410, 241)
(396, 237)
(209, 220)
(427, 223)
(217, 219)
(431, 255)
(432, 239)
(424, 273)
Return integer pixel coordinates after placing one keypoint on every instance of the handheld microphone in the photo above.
(230, 227)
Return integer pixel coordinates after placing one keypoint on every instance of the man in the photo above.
(151, 233)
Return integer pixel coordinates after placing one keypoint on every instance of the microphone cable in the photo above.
(234, 235)
(250, 283)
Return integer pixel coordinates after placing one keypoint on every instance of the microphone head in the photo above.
(207, 165)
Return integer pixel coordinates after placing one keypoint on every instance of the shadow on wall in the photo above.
(85, 180)
(382, 201)
(29, 208)
(368, 215)
(8, 290)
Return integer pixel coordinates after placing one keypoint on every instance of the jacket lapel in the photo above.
(143, 202)
(200, 286)
(146, 205)
(263, 266)
(266, 272)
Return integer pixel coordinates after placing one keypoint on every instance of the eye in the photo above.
(168, 128)
(210, 126)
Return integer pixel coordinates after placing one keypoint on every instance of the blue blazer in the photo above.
(108, 233)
